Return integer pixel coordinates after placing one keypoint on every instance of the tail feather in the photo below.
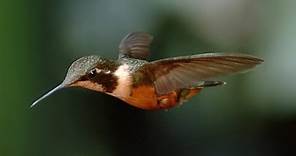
(211, 83)
(187, 93)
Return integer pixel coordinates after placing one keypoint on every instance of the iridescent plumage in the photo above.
(159, 84)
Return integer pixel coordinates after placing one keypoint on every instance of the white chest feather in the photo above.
(123, 88)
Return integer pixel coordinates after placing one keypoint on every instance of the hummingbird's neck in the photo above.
(124, 81)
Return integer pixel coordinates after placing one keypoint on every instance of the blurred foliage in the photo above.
(254, 114)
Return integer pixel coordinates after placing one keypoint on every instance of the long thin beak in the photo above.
(48, 94)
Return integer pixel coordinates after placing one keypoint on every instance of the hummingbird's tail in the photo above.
(210, 83)
(186, 93)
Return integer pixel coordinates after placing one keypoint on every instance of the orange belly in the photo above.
(145, 97)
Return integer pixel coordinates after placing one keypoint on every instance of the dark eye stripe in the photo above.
(105, 78)
(108, 81)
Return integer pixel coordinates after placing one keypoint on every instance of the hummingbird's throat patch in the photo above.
(89, 85)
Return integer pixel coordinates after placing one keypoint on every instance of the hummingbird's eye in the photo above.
(92, 73)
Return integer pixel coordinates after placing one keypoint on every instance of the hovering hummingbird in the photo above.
(159, 84)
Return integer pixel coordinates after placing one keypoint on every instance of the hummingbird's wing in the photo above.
(135, 45)
(181, 72)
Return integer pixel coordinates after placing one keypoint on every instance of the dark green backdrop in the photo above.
(254, 114)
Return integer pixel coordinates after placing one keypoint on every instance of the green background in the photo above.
(254, 114)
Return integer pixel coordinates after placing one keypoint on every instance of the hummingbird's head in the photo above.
(82, 68)
(91, 72)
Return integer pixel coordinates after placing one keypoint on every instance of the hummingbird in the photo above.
(154, 85)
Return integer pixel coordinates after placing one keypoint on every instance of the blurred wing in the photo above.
(180, 72)
(135, 45)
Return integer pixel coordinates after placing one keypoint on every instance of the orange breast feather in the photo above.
(145, 97)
